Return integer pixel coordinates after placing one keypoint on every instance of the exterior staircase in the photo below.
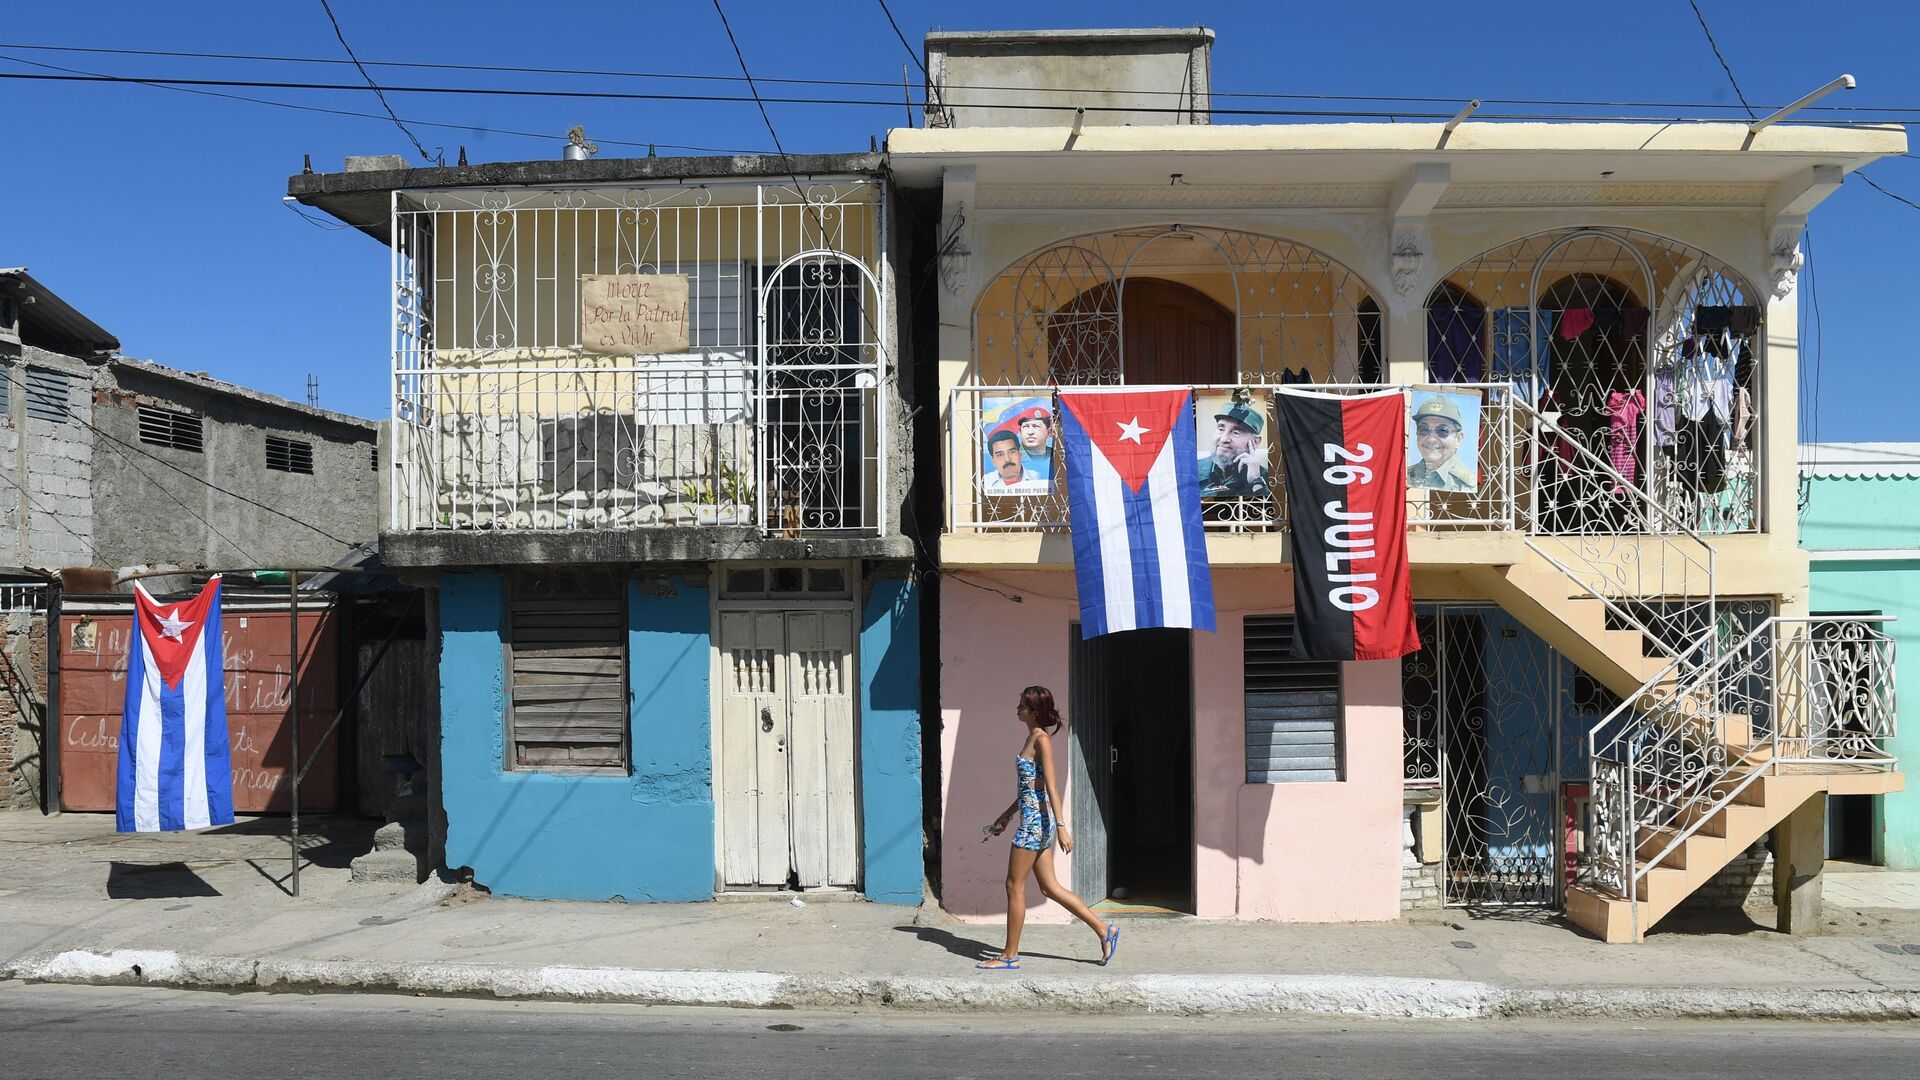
(1720, 735)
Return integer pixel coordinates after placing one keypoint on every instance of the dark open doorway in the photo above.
(1132, 756)
(1850, 828)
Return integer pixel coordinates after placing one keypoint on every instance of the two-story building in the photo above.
(652, 454)
(1619, 689)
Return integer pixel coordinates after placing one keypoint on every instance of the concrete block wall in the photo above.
(1747, 881)
(23, 689)
(58, 466)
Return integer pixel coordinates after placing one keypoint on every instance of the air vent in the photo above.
(289, 455)
(165, 427)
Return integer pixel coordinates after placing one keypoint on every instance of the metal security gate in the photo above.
(1496, 719)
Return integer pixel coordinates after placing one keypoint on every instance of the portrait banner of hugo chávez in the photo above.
(1233, 457)
(1443, 448)
(1026, 466)
(633, 314)
(1345, 461)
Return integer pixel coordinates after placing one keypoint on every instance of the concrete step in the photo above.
(1602, 914)
(392, 866)
(401, 836)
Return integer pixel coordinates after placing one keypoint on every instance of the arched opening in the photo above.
(1171, 334)
(1640, 358)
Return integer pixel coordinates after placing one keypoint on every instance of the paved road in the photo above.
(61, 1031)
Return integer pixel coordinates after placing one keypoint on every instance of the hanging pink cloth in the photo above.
(1623, 432)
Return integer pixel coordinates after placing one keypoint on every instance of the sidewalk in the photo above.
(80, 903)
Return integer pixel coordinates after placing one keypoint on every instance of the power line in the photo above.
(755, 90)
(762, 101)
(885, 85)
(366, 115)
(904, 43)
(341, 34)
(1884, 191)
(1715, 46)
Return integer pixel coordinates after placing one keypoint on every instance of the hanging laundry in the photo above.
(1455, 352)
(1515, 329)
(1665, 404)
(1743, 320)
(1623, 433)
(1633, 321)
(1742, 417)
(1575, 321)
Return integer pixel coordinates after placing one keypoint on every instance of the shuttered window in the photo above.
(1293, 708)
(47, 395)
(566, 648)
(289, 455)
(165, 427)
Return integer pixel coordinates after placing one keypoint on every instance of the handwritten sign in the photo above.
(624, 314)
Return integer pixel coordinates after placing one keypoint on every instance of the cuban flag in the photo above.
(1139, 552)
(176, 770)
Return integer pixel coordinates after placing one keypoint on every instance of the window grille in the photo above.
(373, 459)
(47, 395)
(566, 647)
(166, 427)
(289, 455)
(1293, 713)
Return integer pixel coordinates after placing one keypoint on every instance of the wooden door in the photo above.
(1175, 335)
(787, 791)
(753, 737)
(821, 752)
(1091, 766)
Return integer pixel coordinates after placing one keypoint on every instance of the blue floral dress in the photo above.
(1036, 817)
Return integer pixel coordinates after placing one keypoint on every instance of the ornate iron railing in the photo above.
(977, 502)
(766, 408)
(1796, 691)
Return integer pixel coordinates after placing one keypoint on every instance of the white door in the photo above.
(787, 749)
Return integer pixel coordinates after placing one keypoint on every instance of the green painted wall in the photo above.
(1876, 513)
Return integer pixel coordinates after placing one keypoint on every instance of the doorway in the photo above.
(1131, 753)
(785, 770)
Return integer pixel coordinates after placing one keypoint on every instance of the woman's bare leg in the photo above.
(1019, 865)
(1059, 894)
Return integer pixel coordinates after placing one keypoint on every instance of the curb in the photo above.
(1177, 995)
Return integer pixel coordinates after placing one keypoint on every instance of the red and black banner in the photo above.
(1346, 467)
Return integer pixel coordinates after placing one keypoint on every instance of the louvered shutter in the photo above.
(567, 649)
(1293, 714)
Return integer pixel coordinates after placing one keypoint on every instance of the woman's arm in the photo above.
(1044, 751)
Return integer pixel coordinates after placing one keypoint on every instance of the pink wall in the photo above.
(1291, 852)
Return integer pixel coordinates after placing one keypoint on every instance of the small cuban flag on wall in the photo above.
(176, 770)
(1139, 551)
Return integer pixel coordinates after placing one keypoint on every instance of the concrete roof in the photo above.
(200, 381)
(1853, 459)
(1380, 153)
(362, 199)
(48, 322)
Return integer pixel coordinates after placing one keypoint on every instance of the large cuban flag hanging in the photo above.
(1139, 551)
(175, 766)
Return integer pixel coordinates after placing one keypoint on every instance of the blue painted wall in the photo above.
(890, 743)
(643, 837)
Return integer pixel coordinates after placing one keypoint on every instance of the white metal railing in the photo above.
(1810, 692)
(976, 503)
(23, 596)
(771, 414)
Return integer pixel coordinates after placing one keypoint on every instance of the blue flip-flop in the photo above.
(1113, 944)
(998, 963)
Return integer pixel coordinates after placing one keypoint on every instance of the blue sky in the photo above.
(158, 213)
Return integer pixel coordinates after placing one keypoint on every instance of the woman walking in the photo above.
(1036, 794)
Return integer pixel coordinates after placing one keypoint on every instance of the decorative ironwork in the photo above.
(768, 418)
(1494, 718)
(1641, 350)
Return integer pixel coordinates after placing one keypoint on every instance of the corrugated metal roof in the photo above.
(1864, 459)
(48, 322)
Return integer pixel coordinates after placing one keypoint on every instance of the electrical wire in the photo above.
(1868, 180)
(879, 84)
(762, 101)
(904, 43)
(437, 156)
(376, 116)
(1715, 46)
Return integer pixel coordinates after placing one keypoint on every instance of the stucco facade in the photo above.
(1301, 235)
(1861, 528)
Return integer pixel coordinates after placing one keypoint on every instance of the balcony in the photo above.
(759, 406)
(1528, 474)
